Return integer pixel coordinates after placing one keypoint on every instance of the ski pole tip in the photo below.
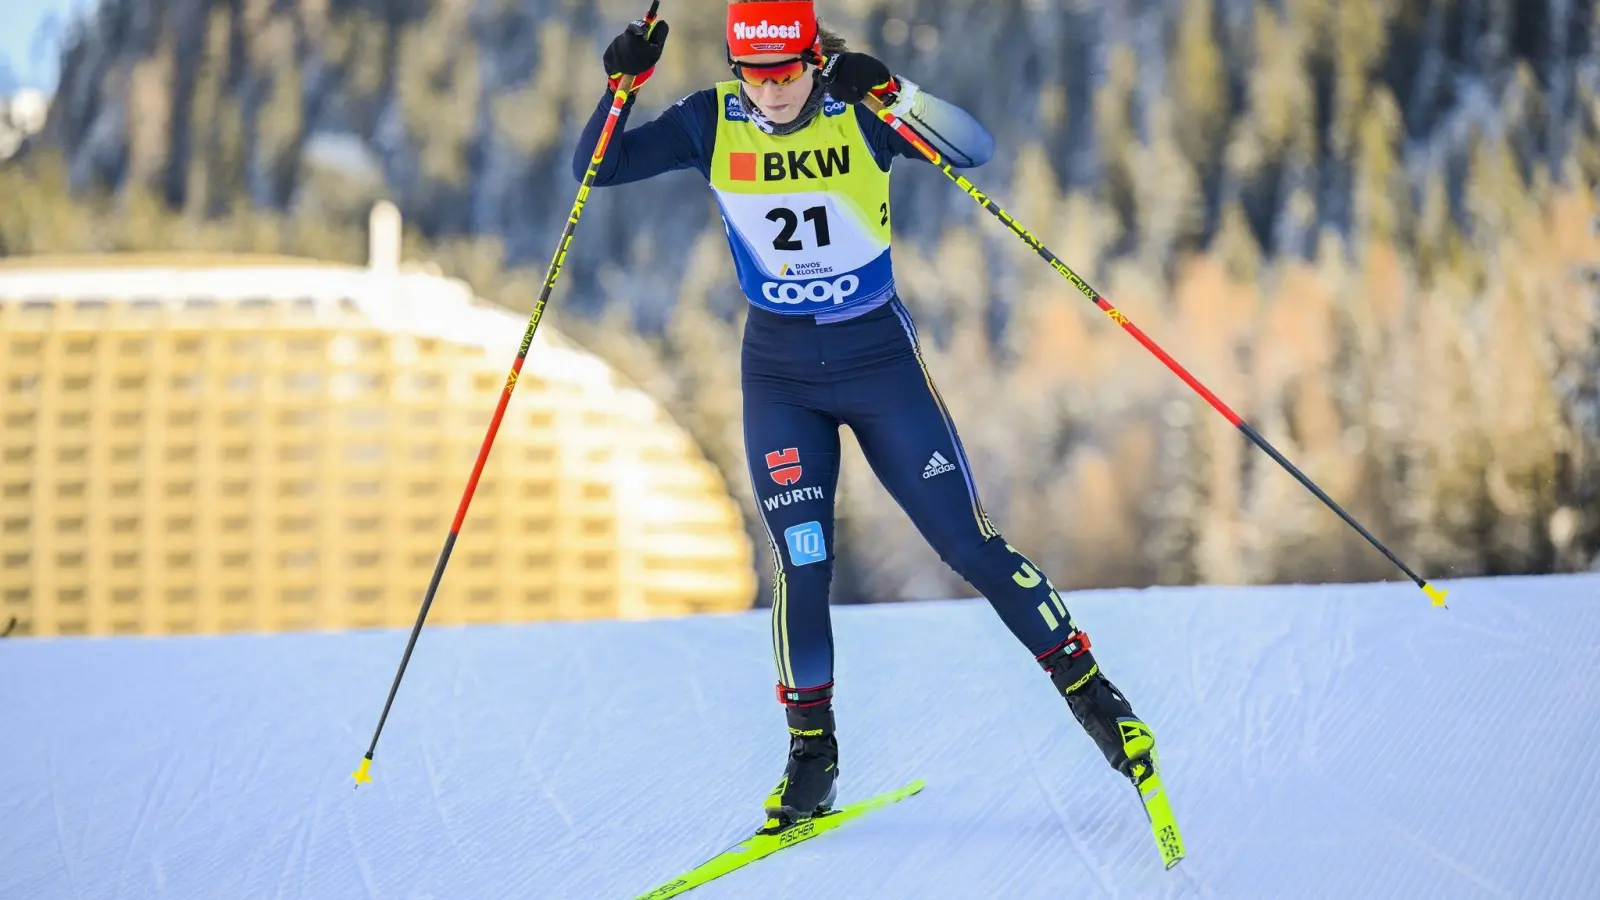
(1436, 594)
(363, 772)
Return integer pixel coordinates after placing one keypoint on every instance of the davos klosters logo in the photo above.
(747, 32)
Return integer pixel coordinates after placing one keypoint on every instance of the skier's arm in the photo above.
(950, 129)
(676, 139)
(680, 138)
(960, 138)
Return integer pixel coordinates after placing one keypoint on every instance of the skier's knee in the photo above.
(985, 561)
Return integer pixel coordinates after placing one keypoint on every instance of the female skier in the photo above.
(800, 171)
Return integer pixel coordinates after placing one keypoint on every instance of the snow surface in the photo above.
(1319, 741)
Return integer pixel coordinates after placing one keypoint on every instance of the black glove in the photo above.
(631, 53)
(849, 77)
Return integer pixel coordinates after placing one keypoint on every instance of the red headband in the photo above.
(771, 26)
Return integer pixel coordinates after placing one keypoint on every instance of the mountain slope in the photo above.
(1318, 741)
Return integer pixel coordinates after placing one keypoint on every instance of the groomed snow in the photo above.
(1318, 741)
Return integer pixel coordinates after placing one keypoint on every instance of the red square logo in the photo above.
(742, 166)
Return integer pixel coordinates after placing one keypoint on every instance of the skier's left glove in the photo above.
(850, 77)
(632, 53)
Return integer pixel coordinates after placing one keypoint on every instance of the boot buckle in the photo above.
(802, 697)
(1076, 645)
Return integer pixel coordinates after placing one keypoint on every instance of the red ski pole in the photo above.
(935, 157)
(618, 100)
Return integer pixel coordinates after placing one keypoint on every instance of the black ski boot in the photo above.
(1100, 708)
(810, 780)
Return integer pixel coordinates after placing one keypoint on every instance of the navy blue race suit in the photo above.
(804, 375)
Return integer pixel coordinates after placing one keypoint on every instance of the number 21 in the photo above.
(816, 215)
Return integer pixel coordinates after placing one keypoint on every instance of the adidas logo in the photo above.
(937, 465)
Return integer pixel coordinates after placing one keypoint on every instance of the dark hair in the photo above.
(832, 41)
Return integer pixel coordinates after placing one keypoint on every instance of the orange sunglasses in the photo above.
(781, 72)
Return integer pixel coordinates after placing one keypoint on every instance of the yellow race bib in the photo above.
(807, 214)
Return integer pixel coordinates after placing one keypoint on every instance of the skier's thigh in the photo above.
(793, 456)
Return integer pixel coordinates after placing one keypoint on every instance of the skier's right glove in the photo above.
(632, 53)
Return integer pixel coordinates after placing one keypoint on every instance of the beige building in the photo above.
(205, 445)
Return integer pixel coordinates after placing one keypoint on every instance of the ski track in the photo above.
(1065, 822)
(165, 764)
(1318, 741)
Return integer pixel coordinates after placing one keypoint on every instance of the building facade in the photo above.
(210, 445)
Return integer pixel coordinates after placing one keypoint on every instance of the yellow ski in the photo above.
(1146, 777)
(759, 845)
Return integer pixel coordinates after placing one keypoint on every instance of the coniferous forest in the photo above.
(1365, 224)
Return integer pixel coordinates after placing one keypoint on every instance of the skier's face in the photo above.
(780, 103)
